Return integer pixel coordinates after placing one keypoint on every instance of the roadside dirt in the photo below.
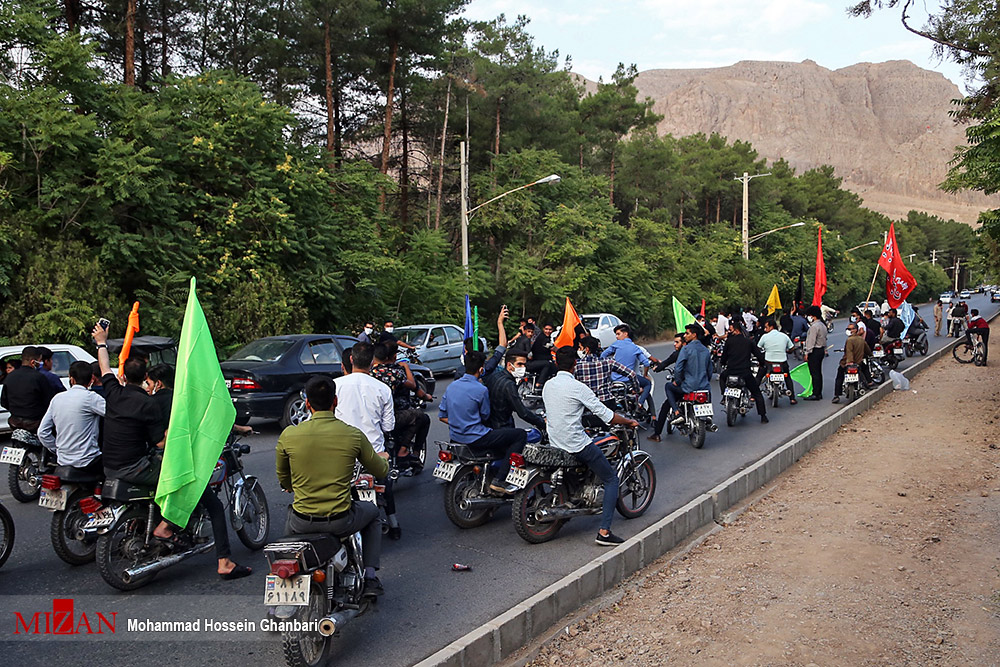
(880, 547)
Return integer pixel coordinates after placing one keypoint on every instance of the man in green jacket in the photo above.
(315, 460)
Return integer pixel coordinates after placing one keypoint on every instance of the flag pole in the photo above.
(885, 237)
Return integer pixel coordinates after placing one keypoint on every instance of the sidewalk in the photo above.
(882, 546)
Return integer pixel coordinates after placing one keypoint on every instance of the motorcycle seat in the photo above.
(74, 475)
(25, 437)
(325, 544)
(466, 453)
(122, 491)
(549, 456)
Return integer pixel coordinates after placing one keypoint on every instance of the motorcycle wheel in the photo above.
(829, 326)
(696, 434)
(636, 489)
(256, 517)
(6, 534)
(120, 548)
(17, 478)
(923, 348)
(539, 491)
(891, 361)
(775, 395)
(878, 373)
(850, 392)
(63, 529)
(964, 354)
(908, 350)
(308, 648)
(422, 387)
(732, 411)
(454, 492)
(799, 353)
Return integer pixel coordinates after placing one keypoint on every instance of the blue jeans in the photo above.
(674, 394)
(645, 388)
(598, 463)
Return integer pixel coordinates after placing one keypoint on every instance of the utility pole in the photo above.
(934, 257)
(958, 269)
(745, 179)
(464, 197)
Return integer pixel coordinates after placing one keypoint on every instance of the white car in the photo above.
(62, 357)
(601, 326)
(945, 297)
(965, 294)
(870, 305)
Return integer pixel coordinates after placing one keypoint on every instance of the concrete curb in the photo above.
(505, 634)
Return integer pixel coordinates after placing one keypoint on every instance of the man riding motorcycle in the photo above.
(501, 385)
(598, 373)
(776, 347)
(692, 372)
(736, 363)
(71, 425)
(855, 351)
(26, 394)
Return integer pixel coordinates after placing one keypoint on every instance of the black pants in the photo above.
(543, 369)
(501, 442)
(412, 426)
(363, 517)
(815, 361)
(751, 384)
(217, 513)
(838, 384)
(984, 333)
(765, 371)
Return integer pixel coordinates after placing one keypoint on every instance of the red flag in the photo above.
(703, 308)
(819, 288)
(567, 335)
(133, 328)
(899, 282)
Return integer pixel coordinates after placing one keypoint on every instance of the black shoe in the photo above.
(373, 588)
(836, 399)
(609, 540)
(764, 419)
(814, 397)
(395, 533)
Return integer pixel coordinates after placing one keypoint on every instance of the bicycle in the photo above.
(968, 354)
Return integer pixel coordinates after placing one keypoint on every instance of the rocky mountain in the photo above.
(884, 127)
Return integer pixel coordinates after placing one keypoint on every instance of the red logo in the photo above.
(62, 621)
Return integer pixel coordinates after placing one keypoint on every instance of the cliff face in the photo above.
(884, 127)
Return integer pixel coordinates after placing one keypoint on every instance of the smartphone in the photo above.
(104, 323)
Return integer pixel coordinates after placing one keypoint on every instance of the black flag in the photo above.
(797, 302)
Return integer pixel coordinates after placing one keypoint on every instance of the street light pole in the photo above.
(745, 179)
(756, 237)
(464, 173)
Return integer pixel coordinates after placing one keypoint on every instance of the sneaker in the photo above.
(836, 399)
(373, 588)
(609, 540)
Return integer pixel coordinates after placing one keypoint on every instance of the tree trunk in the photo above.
(444, 138)
(390, 89)
(328, 61)
(130, 43)
(680, 224)
(338, 128)
(718, 208)
(164, 31)
(612, 189)
(404, 170)
(496, 133)
(72, 13)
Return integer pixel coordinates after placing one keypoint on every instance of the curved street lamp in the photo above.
(863, 245)
(771, 231)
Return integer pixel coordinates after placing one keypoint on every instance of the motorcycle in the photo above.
(916, 344)
(72, 494)
(529, 391)
(737, 398)
(798, 349)
(876, 371)
(28, 460)
(314, 587)
(366, 488)
(627, 401)
(775, 385)
(892, 353)
(128, 556)
(6, 534)
(853, 386)
(555, 486)
(718, 345)
(696, 410)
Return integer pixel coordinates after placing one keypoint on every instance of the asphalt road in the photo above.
(426, 606)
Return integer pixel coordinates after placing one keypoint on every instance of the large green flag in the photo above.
(802, 375)
(682, 316)
(201, 417)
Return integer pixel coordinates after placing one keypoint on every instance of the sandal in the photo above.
(237, 572)
(176, 542)
(794, 402)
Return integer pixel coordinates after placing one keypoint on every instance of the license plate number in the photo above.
(12, 455)
(293, 591)
(851, 377)
(101, 518)
(878, 353)
(777, 377)
(734, 392)
(445, 471)
(53, 499)
(518, 477)
(898, 351)
(703, 410)
(367, 496)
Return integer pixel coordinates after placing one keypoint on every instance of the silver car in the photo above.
(439, 346)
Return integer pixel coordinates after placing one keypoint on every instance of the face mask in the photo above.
(581, 354)
(854, 318)
(388, 329)
(518, 372)
(368, 331)
(811, 319)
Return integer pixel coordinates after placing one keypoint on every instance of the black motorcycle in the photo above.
(853, 385)
(737, 398)
(73, 494)
(468, 500)
(916, 343)
(697, 412)
(28, 460)
(556, 486)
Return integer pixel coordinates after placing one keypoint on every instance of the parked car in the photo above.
(62, 357)
(995, 297)
(965, 294)
(945, 297)
(601, 326)
(439, 346)
(265, 378)
(872, 306)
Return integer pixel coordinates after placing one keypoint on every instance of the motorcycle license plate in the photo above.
(12, 455)
(445, 471)
(878, 353)
(731, 391)
(53, 499)
(851, 377)
(293, 591)
(898, 351)
(703, 410)
(102, 518)
(518, 477)
(367, 496)
(777, 377)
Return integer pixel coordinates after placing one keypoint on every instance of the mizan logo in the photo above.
(62, 621)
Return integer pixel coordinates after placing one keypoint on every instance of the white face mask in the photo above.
(581, 354)
(388, 329)
(811, 319)
(368, 331)
(854, 318)
(518, 371)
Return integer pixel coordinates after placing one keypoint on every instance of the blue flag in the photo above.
(469, 326)
(906, 314)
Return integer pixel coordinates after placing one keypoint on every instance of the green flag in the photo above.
(201, 417)
(802, 375)
(682, 316)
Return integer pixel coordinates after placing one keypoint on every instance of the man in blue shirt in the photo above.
(693, 370)
(800, 326)
(630, 355)
(465, 408)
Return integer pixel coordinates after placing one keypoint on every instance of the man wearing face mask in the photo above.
(504, 400)
(366, 334)
(387, 336)
(815, 348)
(26, 394)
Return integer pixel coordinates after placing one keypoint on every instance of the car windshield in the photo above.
(265, 349)
(414, 337)
(590, 322)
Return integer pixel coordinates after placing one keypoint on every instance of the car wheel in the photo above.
(295, 411)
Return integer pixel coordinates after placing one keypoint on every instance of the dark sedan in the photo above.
(265, 378)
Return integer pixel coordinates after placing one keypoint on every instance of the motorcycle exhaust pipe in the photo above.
(330, 624)
(556, 513)
(162, 564)
(467, 504)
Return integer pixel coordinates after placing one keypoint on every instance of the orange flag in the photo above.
(133, 327)
(567, 335)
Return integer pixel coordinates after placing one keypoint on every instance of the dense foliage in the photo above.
(300, 159)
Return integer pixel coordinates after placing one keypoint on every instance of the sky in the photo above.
(676, 34)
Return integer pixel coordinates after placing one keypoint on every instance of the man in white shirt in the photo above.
(565, 399)
(749, 321)
(722, 324)
(71, 425)
(776, 347)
